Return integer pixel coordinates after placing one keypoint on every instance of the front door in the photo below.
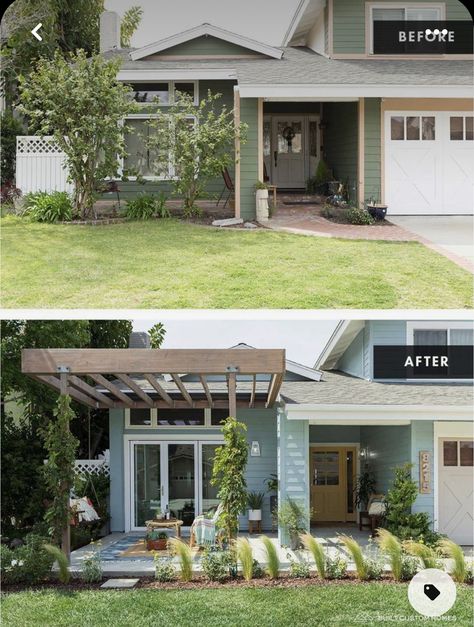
(333, 470)
(288, 167)
(174, 475)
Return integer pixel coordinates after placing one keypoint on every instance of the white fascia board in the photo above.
(305, 371)
(295, 22)
(176, 75)
(201, 31)
(300, 92)
(354, 414)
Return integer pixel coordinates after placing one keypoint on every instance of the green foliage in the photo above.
(200, 151)
(130, 22)
(373, 568)
(10, 128)
(59, 468)
(425, 553)
(336, 567)
(48, 207)
(364, 488)
(67, 98)
(92, 568)
(272, 483)
(228, 473)
(358, 215)
(459, 571)
(215, 564)
(298, 569)
(391, 546)
(317, 184)
(157, 335)
(271, 551)
(29, 564)
(360, 561)
(294, 519)
(61, 559)
(185, 555)
(261, 185)
(244, 555)
(317, 551)
(257, 570)
(255, 500)
(146, 206)
(164, 569)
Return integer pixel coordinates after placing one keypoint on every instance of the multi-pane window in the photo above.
(443, 337)
(403, 13)
(174, 417)
(458, 453)
(461, 127)
(163, 93)
(413, 127)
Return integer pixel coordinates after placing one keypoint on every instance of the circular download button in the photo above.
(432, 592)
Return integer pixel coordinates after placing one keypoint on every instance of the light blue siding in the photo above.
(388, 447)
(116, 429)
(329, 434)
(379, 332)
(352, 361)
(422, 440)
(293, 464)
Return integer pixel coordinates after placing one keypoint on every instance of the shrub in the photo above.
(215, 564)
(358, 215)
(425, 553)
(8, 194)
(335, 567)
(28, 564)
(459, 571)
(48, 207)
(317, 184)
(293, 519)
(164, 569)
(317, 551)
(299, 570)
(244, 555)
(142, 207)
(257, 570)
(92, 568)
(185, 555)
(273, 567)
(373, 568)
(61, 559)
(10, 128)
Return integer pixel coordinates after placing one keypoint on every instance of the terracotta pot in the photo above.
(157, 545)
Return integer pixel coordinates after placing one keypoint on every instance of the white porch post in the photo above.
(237, 152)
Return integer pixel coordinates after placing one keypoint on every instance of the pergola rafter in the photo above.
(140, 378)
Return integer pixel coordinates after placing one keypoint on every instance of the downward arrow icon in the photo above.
(35, 30)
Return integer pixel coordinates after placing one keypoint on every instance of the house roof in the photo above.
(206, 30)
(340, 340)
(337, 388)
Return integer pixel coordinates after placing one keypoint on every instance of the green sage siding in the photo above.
(372, 173)
(341, 142)
(249, 158)
(207, 46)
(349, 23)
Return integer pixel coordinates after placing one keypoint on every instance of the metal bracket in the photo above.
(63, 369)
(232, 369)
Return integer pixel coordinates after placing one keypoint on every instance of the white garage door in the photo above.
(456, 489)
(429, 162)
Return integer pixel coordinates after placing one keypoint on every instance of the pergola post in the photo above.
(232, 395)
(66, 536)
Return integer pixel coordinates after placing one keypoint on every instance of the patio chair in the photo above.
(204, 530)
(228, 185)
(272, 188)
(376, 511)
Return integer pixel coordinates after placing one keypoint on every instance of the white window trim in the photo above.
(464, 115)
(441, 6)
(413, 114)
(458, 441)
(154, 422)
(171, 173)
(171, 92)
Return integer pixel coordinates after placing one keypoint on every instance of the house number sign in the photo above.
(425, 472)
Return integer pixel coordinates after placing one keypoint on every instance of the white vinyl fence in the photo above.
(39, 165)
(85, 467)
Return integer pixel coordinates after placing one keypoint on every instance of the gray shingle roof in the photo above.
(337, 388)
(303, 66)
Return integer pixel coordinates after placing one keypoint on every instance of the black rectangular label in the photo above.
(423, 362)
(420, 37)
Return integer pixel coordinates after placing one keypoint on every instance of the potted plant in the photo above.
(156, 540)
(272, 487)
(255, 502)
(376, 209)
(294, 520)
(262, 201)
(365, 487)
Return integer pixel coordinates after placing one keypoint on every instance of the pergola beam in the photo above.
(152, 380)
(136, 388)
(54, 382)
(90, 391)
(113, 389)
(274, 389)
(177, 379)
(206, 390)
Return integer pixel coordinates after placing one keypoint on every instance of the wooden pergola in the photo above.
(152, 378)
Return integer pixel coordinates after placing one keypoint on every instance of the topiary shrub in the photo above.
(48, 207)
(358, 215)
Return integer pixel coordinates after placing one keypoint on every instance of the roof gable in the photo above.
(343, 336)
(241, 44)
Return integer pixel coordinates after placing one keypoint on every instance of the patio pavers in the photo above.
(120, 582)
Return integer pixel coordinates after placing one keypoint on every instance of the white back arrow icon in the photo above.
(35, 30)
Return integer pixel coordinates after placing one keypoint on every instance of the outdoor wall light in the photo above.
(255, 449)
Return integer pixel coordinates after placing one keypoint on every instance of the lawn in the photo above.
(172, 264)
(345, 605)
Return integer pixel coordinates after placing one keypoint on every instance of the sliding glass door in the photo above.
(147, 483)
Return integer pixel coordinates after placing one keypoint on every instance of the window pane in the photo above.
(430, 337)
(456, 128)
(209, 492)
(428, 128)
(380, 15)
(350, 481)
(289, 137)
(450, 453)
(151, 92)
(267, 129)
(184, 88)
(313, 139)
(147, 483)
(413, 127)
(180, 417)
(136, 160)
(140, 417)
(466, 451)
(218, 415)
(397, 127)
(423, 14)
(181, 482)
(469, 127)
(461, 337)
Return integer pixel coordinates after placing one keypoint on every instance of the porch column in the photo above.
(293, 465)
(66, 536)
(260, 139)
(361, 154)
(237, 152)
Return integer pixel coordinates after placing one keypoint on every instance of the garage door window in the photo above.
(466, 452)
(461, 127)
(458, 453)
(413, 127)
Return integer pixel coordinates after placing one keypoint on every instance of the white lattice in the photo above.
(36, 146)
(84, 467)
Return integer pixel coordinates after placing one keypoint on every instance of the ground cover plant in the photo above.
(56, 265)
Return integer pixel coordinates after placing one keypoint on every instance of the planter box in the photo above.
(157, 545)
(255, 514)
(262, 205)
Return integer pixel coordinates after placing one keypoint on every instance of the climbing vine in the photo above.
(61, 445)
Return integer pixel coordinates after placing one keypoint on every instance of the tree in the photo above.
(199, 142)
(157, 335)
(228, 473)
(130, 22)
(10, 127)
(81, 104)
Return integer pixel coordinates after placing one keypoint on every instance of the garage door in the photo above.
(429, 163)
(455, 489)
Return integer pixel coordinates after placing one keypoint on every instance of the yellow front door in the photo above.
(332, 474)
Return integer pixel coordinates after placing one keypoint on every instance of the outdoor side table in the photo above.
(255, 526)
(172, 523)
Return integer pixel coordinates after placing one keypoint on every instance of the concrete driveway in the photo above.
(452, 236)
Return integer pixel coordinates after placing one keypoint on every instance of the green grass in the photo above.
(345, 605)
(171, 264)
